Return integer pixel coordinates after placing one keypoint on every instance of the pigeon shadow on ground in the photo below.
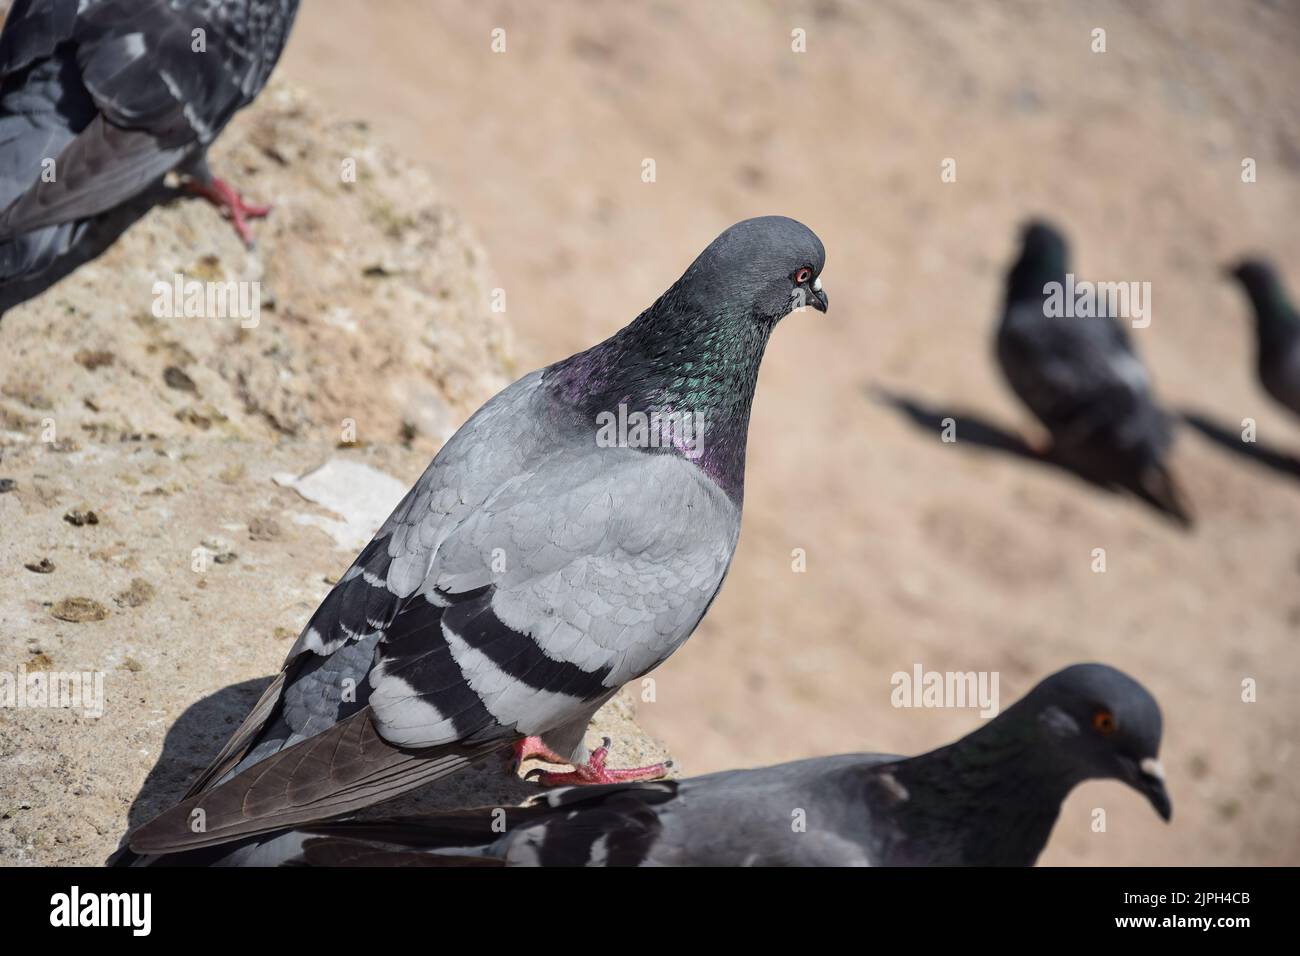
(191, 743)
(99, 235)
(1230, 438)
(971, 429)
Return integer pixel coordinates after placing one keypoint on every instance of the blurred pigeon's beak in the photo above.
(819, 300)
(1151, 782)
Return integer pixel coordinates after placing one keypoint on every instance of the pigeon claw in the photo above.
(235, 208)
(595, 772)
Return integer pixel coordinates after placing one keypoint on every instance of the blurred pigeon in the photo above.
(990, 799)
(1081, 377)
(539, 563)
(1277, 331)
(99, 99)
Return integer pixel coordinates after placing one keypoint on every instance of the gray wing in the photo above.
(38, 119)
(567, 583)
(806, 813)
(514, 589)
(180, 70)
(32, 31)
(42, 106)
(1081, 378)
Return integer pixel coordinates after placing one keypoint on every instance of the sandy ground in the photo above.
(954, 556)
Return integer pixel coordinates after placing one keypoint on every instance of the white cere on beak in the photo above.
(896, 789)
(817, 284)
(1152, 768)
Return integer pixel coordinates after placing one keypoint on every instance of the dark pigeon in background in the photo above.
(1277, 331)
(1083, 380)
(530, 572)
(990, 799)
(114, 92)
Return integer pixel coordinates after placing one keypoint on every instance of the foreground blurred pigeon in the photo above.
(541, 561)
(1277, 331)
(990, 799)
(99, 99)
(1081, 377)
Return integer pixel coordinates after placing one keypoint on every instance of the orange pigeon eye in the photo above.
(1103, 721)
(803, 275)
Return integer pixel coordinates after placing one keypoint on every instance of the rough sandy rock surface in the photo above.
(145, 536)
(372, 307)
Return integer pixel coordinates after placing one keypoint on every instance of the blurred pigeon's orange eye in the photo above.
(1103, 721)
(803, 275)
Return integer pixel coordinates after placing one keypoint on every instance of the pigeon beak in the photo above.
(819, 299)
(1151, 782)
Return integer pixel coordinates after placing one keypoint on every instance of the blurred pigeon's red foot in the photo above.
(531, 747)
(593, 771)
(226, 198)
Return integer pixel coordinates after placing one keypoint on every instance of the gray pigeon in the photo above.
(1277, 331)
(1082, 379)
(542, 560)
(990, 799)
(100, 99)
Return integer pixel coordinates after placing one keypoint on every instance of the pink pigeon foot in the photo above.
(1039, 445)
(226, 198)
(531, 747)
(592, 772)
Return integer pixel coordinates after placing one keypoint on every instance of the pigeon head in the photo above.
(1044, 257)
(992, 797)
(1039, 237)
(696, 351)
(759, 269)
(1254, 274)
(1273, 309)
(1101, 723)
